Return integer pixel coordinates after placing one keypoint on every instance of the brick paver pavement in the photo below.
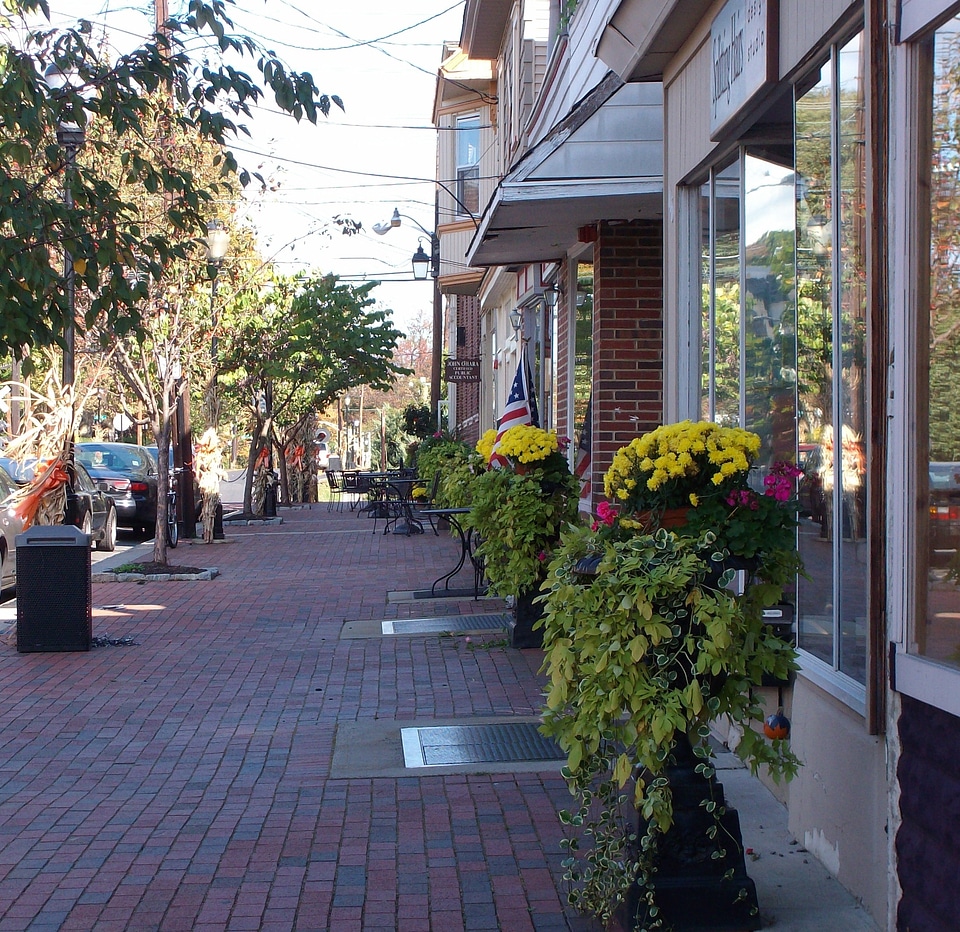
(183, 783)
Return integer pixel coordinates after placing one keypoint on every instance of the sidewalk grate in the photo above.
(452, 623)
(477, 744)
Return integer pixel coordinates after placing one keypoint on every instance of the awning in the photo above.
(604, 161)
(643, 35)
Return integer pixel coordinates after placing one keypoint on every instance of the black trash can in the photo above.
(270, 496)
(54, 591)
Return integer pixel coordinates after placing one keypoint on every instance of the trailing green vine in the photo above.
(649, 647)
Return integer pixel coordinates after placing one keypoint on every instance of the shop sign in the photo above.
(743, 58)
(462, 370)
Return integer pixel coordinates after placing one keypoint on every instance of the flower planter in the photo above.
(526, 613)
(691, 889)
(670, 518)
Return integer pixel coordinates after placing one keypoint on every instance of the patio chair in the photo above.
(430, 502)
(335, 483)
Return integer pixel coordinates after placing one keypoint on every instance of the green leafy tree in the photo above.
(298, 343)
(99, 225)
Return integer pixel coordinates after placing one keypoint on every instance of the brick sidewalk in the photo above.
(183, 783)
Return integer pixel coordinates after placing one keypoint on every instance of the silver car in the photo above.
(10, 527)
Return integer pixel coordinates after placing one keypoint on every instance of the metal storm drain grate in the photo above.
(477, 744)
(453, 623)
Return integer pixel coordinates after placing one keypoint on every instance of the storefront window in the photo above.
(831, 366)
(583, 361)
(939, 541)
(720, 386)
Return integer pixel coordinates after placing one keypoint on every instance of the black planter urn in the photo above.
(690, 887)
(526, 613)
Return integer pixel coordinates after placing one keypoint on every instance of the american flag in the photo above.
(582, 467)
(521, 408)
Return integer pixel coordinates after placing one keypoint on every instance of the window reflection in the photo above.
(939, 541)
(831, 331)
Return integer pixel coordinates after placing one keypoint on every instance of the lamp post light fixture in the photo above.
(70, 137)
(516, 320)
(423, 265)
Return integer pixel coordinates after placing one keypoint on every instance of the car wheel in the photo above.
(109, 540)
(87, 526)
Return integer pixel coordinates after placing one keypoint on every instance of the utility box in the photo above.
(54, 590)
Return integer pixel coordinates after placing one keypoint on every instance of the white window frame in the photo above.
(462, 169)
(913, 675)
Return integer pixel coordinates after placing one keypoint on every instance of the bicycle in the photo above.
(173, 528)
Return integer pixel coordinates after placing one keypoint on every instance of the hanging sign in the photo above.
(744, 59)
(462, 370)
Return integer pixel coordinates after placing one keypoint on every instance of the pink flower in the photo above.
(542, 555)
(595, 526)
(607, 513)
(742, 498)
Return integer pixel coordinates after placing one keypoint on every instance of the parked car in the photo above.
(944, 527)
(88, 507)
(19, 472)
(92, 510)
(128, 474)
(10, 527)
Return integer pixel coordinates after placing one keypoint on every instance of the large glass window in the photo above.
(783, 336)
(938, 547)
(468, 158)
(831, 363)
(721, 312)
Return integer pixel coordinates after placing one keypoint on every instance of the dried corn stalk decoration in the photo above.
(43, 440)
(261, 476)
(209, 476)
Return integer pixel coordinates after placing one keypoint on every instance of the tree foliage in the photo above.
(297, 343)
(144, 97)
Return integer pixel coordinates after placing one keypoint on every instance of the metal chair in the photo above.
(335, 484)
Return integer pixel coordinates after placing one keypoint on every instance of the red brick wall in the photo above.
(627, 338)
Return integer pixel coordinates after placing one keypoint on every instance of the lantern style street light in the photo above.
(423, 265)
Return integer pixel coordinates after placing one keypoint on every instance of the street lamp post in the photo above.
(70, 138)
(423, 265)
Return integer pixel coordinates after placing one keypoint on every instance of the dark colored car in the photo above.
(128, 474)
(92, 510)
(88, 507)
(944, 527)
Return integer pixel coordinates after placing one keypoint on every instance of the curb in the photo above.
(155, 577)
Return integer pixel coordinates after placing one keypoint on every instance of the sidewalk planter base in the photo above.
(689, 884)
(525, 613)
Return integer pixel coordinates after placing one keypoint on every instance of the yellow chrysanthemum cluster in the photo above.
(485, 444)
(662, 463)
(527, 444)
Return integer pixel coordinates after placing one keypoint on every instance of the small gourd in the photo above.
(777, 726)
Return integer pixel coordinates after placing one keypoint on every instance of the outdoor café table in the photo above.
(466, 548)
(391, 499)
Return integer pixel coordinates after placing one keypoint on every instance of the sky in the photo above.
(381, 58)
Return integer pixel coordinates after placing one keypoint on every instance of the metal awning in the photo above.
(604, 161)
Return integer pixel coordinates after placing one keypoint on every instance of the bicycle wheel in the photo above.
(173, 529)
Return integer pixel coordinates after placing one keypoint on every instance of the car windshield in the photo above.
(119, 458)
